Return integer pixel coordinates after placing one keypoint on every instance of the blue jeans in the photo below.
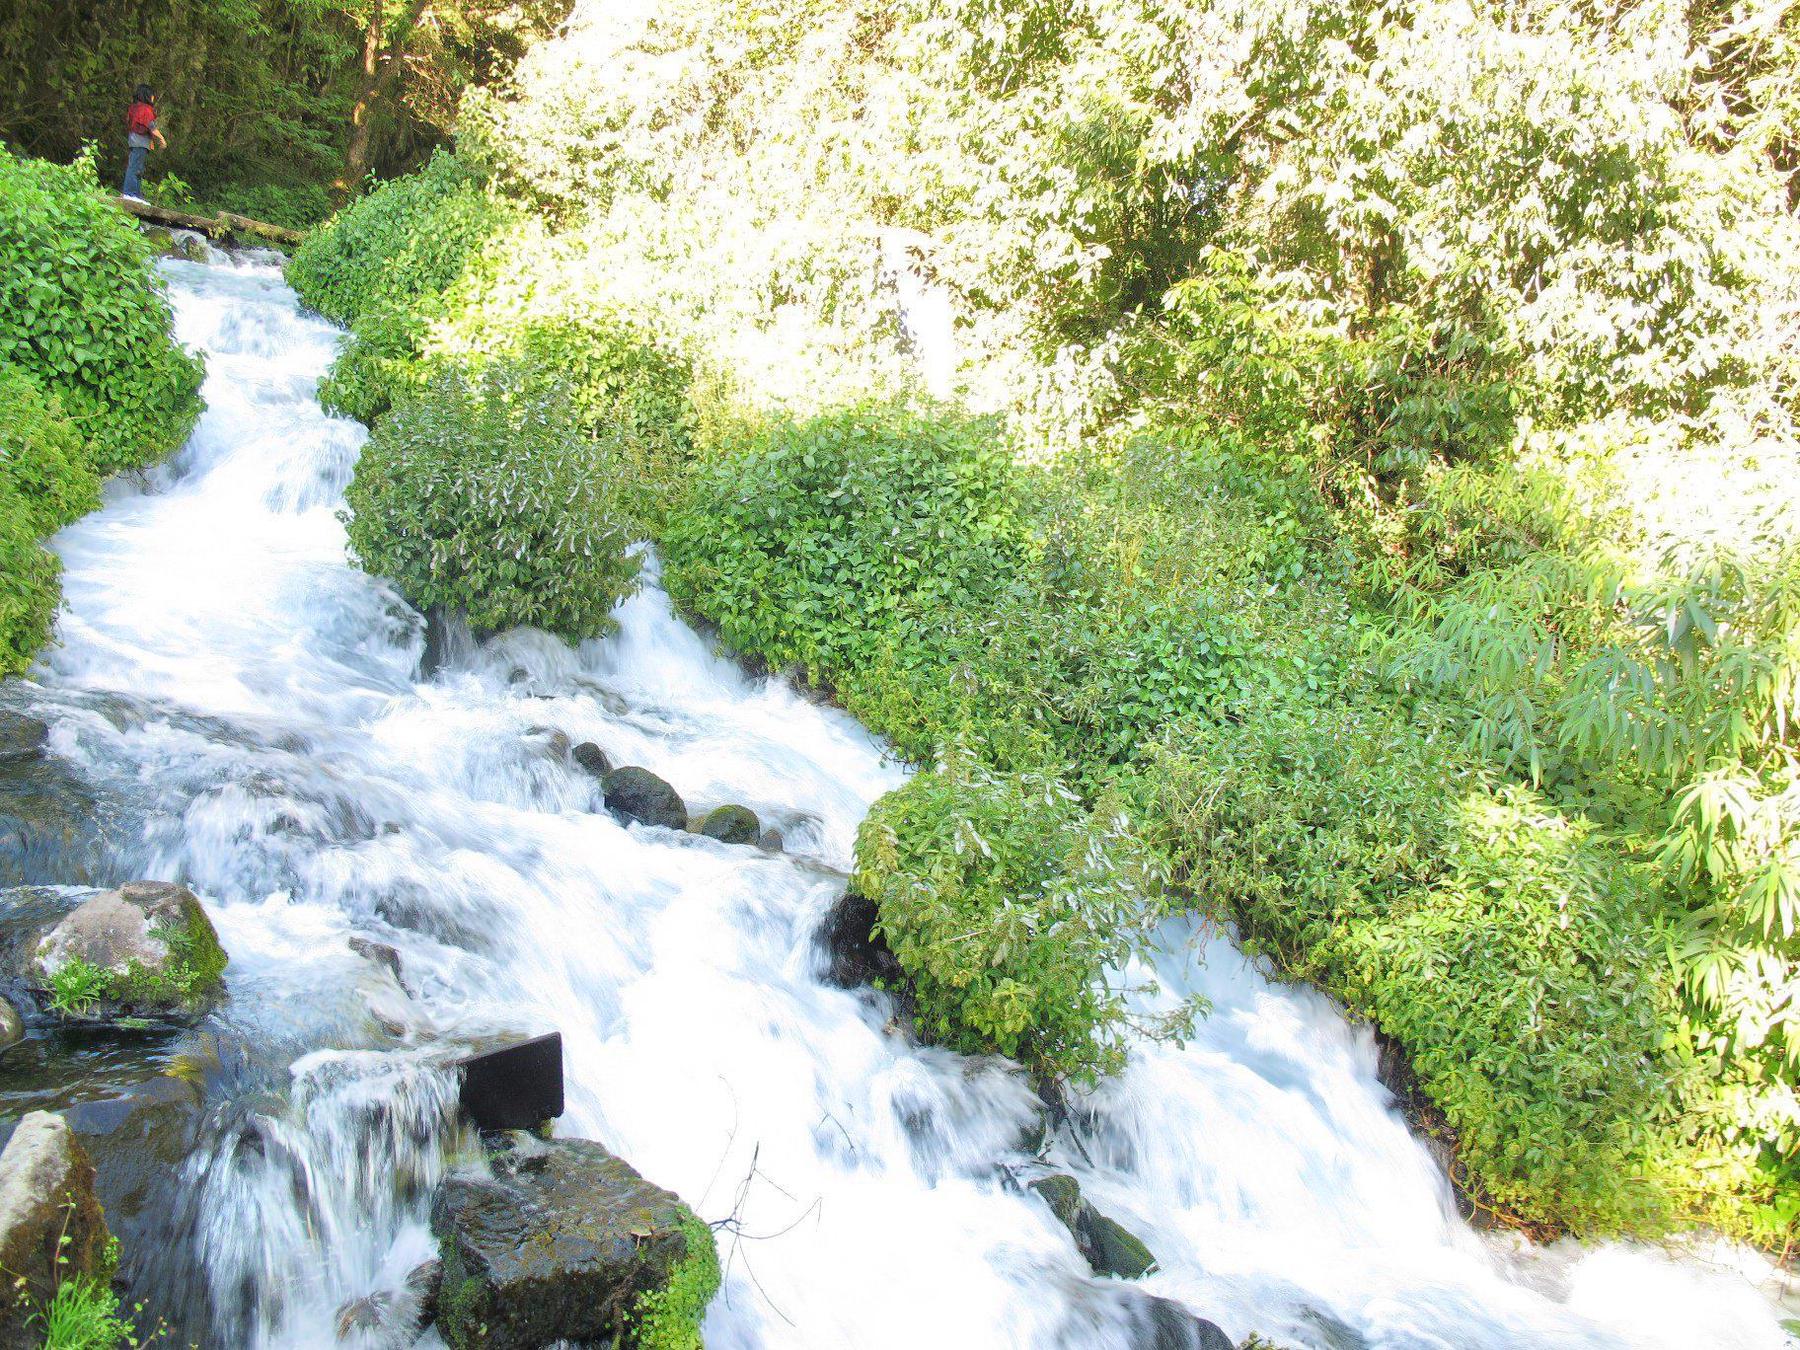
(134, 169)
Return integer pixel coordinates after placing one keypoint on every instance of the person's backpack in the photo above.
(138, 120)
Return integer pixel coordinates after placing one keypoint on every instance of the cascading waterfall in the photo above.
(250, 706)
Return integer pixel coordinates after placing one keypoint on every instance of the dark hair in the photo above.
(142, 94)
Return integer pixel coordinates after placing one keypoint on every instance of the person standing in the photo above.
(141, 133)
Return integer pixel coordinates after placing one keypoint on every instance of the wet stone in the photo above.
(517, 1087)
(592, 758)
(22, 736)
(148, 950)
(558, 1243)
(1107, 1246)
(855, 953)
(380, 953)
(732, 825)
(12, 1027)
(637, 794)
(51, 1226)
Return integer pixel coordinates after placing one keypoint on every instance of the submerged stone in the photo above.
(1108, 1247)
(637, 794)
(22, 736)
(732, 825)
(51, 1226)
(145, 949)
(563, 1241)
(1167, 1325)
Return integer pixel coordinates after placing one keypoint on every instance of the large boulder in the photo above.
(637, 794)
(564, 1241)
(1163, 1324)
(732, 825)
(51, 1226)
(145, 950)
(1108, 1246)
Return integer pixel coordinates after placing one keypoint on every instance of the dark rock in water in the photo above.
(857, 954)
(559, 1243)
(772, 841)
(52, 828)
(732, 825)
(51, 1226)
(145, 949)
(138, 1142)
(22, 736)
(592, 758)
(380, 953)
(518, 1087)
(637, 794)
(423, 1282)
(365, 1316)
(1108, 1247)
(448, 641)
(1163, 1324)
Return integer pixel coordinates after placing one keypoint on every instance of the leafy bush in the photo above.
(1496, 939)
(478, 494)
(802, 540)
(43, 459)
(378, 364)
(1011, 909)
(83, 315)
(409, 238)
(28, 587)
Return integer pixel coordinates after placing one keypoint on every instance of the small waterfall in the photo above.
(256, 707)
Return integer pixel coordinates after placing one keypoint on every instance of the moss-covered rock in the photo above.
(146, 949)
(1106, 1245)
(732, 825)
(561, 1240)
(51, 1226)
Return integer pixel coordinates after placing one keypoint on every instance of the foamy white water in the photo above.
(282, 757)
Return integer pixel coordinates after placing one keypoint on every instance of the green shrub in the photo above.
(408, 239)
(378, 364)
(479, 495)
(43, 459)
(299, 206)
(1498, 940)
(28, 587)
(669, 1318)
(1010, 906)
(803, 540)
(82, 314)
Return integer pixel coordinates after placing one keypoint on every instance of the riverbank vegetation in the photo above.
(272, 108)
(91, 379)
(1341, 455)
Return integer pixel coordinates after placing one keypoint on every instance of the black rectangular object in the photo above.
(517, 1087)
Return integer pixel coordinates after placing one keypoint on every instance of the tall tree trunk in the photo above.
(381, 67)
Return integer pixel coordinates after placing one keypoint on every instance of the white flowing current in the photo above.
(289, 762)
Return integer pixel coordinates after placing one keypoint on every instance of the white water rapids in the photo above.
(288, 762)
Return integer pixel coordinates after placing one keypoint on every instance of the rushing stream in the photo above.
(250, 708)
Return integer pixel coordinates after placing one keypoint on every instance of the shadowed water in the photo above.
(253, 705)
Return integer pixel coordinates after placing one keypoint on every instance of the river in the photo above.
(255, 706)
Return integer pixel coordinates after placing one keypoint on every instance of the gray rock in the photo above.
(592, 758)
(1164, 1324)
(51, 1226)
(1108, 1247)
(557, 1244)
(22, 737)
(138, 1142)
(732, 825)
(146, 949)
(637, 794)
(12, 1029)
(381, 954)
